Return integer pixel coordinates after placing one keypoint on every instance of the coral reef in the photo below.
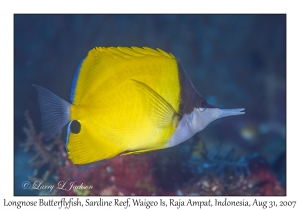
(210, 172)
(258, 180)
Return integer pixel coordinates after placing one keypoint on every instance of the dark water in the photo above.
(234, 61)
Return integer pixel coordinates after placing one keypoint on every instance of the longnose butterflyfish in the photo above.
(126, 101)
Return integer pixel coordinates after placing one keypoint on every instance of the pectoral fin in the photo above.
(160, 111)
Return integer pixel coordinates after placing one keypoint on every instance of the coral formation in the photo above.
(197, 173)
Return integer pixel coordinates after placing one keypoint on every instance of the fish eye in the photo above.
(202, 105)
(75, 127)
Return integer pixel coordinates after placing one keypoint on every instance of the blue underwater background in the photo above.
(234, 61)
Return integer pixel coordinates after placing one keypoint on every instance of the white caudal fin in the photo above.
(55, 112)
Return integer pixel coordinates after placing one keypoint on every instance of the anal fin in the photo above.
(90, 145)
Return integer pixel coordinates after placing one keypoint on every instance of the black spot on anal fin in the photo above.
(75, 127)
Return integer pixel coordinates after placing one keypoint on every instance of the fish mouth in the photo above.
(231, 112)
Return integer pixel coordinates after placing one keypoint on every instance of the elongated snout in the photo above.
(230, 112)
(201, 119)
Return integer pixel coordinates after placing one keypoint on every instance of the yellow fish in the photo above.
(125, 101)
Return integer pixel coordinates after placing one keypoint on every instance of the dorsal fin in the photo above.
(103, 65)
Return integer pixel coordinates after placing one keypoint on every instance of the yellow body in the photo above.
(126, 99)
